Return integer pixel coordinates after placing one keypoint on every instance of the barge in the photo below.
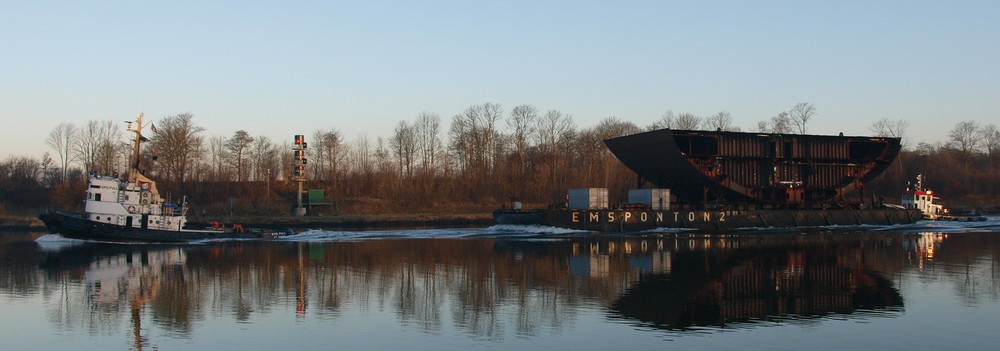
(717, 180)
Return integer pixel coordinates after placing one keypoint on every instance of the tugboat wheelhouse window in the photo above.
(97, 197)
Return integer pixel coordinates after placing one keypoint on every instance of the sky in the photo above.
(282, 68)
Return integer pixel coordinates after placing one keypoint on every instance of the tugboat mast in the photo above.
(133, 170)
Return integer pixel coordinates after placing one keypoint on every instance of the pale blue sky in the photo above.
(291, 67)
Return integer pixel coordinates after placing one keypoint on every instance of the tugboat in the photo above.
(131, 210)
(916, 196)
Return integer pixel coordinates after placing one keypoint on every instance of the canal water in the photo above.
(932, 285)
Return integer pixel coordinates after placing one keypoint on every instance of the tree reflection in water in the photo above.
(485, 286)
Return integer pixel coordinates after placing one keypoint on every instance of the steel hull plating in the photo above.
(74, 226)
(618, 220)
(755, 168)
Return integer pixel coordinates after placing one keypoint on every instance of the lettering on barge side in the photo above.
(646, 216)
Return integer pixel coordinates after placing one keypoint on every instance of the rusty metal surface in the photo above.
(755, 168)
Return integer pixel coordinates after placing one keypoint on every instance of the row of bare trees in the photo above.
(484, 156)
(786, 122)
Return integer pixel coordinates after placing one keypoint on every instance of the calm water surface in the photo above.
(926, 286)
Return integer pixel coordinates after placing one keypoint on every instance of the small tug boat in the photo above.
(916, 196)
(131, 210)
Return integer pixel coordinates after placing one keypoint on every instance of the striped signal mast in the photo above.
(299, 171)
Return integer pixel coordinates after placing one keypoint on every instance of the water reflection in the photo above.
(723, 288)
(490, 288)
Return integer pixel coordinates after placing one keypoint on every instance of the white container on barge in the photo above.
(657, 199)
(588, 199)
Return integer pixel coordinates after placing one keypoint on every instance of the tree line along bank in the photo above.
(485, 157)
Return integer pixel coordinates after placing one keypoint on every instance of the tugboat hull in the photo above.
(76, 226)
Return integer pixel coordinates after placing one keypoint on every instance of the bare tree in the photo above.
(551, 129)
(666, 121)
(889, 128)
(991, 142)
(177, 145)
(19, 175)
(800, 114)
(363, 164)
(333, 150)
(317, 154)
(763, 126)
(781, 124)
(461, 145)
(237, 146)
(428, 130)
(264, 158)
(554, 133)
(383, 157)
(61, 139)
(522, 122)
(404, 147)
(474, 138)
(601, 167)
(492, 138)
(48, 173)
(98, 146)
(361, 156)
(217, 149)
(327, 152)
(688, 121)
(966, 136)
(721, 121)
(612, 127)
(991, 139)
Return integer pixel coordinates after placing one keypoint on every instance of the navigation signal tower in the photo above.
(299, 171)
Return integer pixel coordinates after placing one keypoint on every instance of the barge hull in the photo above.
(620, 220)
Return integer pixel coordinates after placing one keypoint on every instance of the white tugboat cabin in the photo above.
(132, 204)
